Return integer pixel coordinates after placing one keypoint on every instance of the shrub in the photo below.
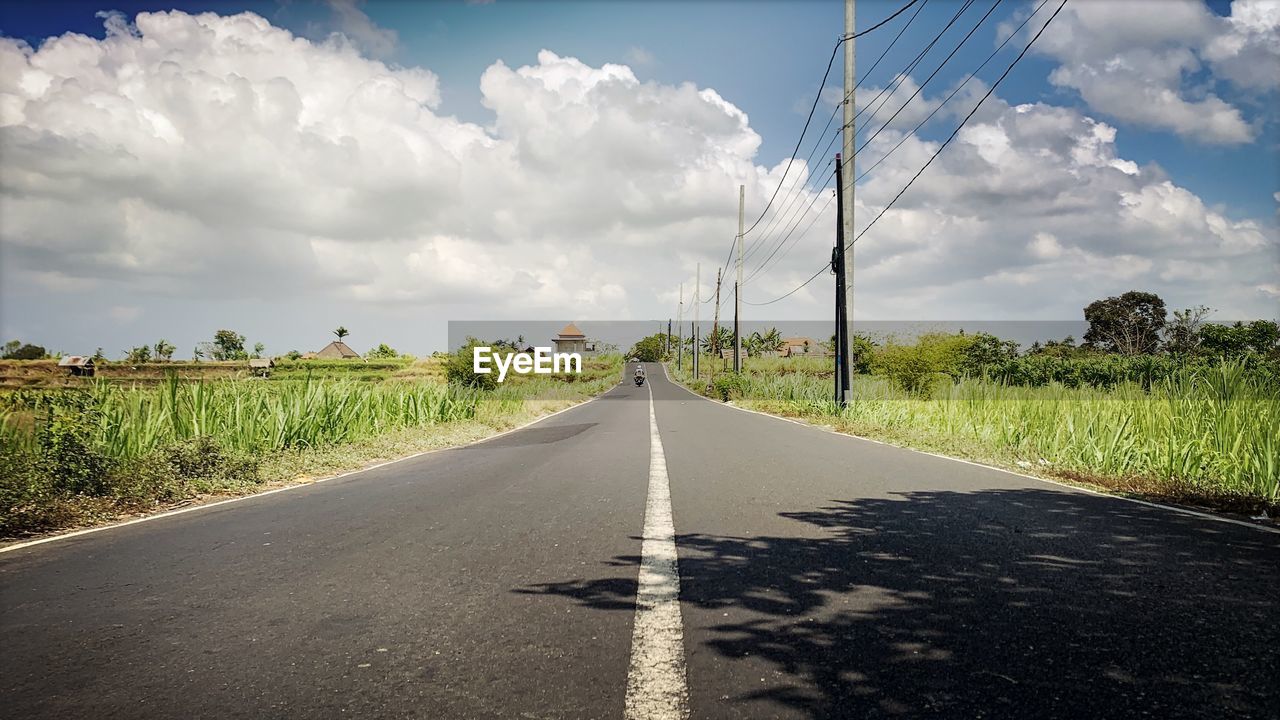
(728, 385)
(383, 351)
(66, 445)
(197, 465)
(460, 368)
(915, 368)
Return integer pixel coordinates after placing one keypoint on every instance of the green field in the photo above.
(85, 450)
(1208, 433)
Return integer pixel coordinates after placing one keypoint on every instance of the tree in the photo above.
(99, 356)
(16, 351)
(140, 354)
(916, 367)
(341, 332)
(649, 349)
(460, 367)
(985, 350)
(164, 350)
(382, 352)
(258, 348)
(1182, 335)
(293, 355)
(1129, 324)
(227, 345)
(863, 349)
(1239, 339)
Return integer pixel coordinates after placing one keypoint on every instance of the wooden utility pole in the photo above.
(846, 192)
(737, 287)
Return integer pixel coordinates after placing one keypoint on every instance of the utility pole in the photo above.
(680, 329)
(668, 345)
(737, 286)
(843, 377)
(846, 195)
(715, 332)
(697, 329)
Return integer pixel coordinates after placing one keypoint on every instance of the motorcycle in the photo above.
(639, 380)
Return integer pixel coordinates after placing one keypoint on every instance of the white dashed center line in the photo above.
(656, 687)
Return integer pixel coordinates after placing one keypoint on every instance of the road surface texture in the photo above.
(819, 576)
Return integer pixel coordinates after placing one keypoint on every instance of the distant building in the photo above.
(337, 350)
(261, 366)
(797, 346)
(571, 339)
(79, 365)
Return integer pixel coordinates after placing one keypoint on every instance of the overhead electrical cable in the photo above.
(808, 120)
(934, 156)
(834, 111)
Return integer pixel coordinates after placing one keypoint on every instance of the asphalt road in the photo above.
(818, 576)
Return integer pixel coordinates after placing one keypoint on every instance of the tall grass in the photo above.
(244, 416)
(1209, 430)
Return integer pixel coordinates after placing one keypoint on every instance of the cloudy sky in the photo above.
(280, 168)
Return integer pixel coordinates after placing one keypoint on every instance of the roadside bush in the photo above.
(915, 368)
(728, 385)
(460, 368)
(66, 445)
(191, 467)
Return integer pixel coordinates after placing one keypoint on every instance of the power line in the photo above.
(892, 89)
(799, 237)
(929, 162)
(902, 76)
(809, 119)
(959, 127)
(795, 152)
(932, 75)
(881, 23)
(792, 195)
(954, 92)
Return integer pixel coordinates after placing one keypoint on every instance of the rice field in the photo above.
(1206, 432)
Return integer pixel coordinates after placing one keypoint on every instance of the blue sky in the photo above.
(181, 185)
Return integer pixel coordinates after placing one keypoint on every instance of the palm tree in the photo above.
(341, 332)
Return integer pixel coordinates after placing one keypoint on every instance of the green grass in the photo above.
(81, 455)
(1207, 434)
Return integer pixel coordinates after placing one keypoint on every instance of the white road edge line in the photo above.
(656, 686)
(241, 498)
(1148, 503)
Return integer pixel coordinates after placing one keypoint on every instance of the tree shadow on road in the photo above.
(999, 603)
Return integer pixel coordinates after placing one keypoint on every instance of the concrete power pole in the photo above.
(715, 332)
(737, 286)
(680, 329)
(850, 131)
(697, 328)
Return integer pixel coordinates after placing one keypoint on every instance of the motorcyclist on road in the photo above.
(639, 375)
